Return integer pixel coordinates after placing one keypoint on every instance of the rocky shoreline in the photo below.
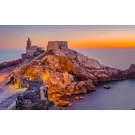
(10, 63)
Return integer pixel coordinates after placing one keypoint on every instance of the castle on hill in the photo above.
(57, 45)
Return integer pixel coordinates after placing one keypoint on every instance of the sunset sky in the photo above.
(78, 36)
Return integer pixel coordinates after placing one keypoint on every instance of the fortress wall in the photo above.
(55, 45)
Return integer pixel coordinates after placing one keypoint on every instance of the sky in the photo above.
(78, 36)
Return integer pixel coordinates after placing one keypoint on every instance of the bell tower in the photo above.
(28, 44)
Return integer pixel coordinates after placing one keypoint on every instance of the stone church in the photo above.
(31, 50)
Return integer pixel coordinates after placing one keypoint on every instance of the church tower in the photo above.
(28, 44)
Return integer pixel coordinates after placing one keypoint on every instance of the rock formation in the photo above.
(67, 72)
(117, 74)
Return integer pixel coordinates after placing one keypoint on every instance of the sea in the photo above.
(9, 55)
(120, 97)
(122, 94)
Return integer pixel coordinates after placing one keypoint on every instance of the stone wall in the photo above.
(34, 98)
(24, 56)
(56, 45)
(30, 52)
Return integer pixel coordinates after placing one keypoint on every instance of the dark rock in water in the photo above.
(107, 87)
(79, 98)
(63, 103)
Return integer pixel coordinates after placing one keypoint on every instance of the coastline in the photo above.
(8, 64)
(65, 73)
(70, 97)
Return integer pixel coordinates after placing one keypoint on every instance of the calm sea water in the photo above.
(120, 97)
(8, 55)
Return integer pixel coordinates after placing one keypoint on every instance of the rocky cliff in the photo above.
(67, 72)
(117, 74)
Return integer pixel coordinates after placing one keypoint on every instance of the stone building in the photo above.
(31, 50)
(55, 45)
